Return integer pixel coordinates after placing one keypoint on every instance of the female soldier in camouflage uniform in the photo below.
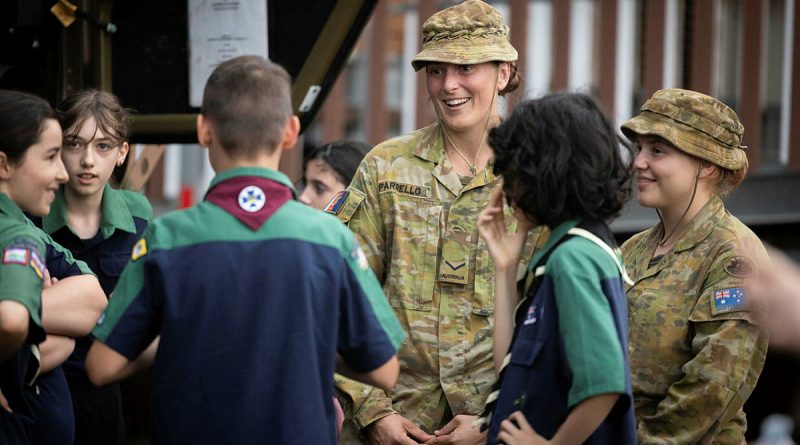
(695, 355)
(413, 204)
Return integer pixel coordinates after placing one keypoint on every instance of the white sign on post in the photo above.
(220, 30)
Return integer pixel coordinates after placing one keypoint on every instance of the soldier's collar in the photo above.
(431, 144)
(702, 225)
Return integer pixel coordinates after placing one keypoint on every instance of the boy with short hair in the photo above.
(256, 297)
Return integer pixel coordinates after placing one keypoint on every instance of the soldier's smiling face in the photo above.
(464, 94)
(665, 176)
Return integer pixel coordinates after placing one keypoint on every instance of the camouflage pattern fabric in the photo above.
(695, 355)
(695, 123)
(416, 222)
(469, 33)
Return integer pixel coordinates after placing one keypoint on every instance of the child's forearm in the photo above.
(505, 300)
(584, 419)
(72, 306)
(54, 350)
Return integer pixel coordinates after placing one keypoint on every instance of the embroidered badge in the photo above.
(358, 256)
(530, 317)
(15, 255)
(455, 266)
(335, 204)
(729, 300)
(740, 266)
(139, 250)
(252, 199)
(37, 264)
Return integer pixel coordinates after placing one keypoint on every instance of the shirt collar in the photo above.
(267, 173)
(116, 214)
(555, 236)
(11, 208)
(702, 224)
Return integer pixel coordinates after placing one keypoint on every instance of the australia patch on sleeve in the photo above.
(335, 204)
(728, 300)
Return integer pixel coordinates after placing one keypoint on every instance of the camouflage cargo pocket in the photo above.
(411, 274)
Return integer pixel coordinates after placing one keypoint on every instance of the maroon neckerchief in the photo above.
(250, 199)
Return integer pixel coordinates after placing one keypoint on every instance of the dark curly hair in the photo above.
(561, 159)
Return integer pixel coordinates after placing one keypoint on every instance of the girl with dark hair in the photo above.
(561, 354)
(31, 171)
(328, 169)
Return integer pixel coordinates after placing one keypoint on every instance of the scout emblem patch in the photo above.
(530, 317)
(358, 256)
(335, 204)
(252, 199)
(37, 264)
(15, 255)
(729, 300)
(740, 266)
(139, 250)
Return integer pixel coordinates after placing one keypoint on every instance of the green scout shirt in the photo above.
(695, 355)
(23, 264)
(416, 222)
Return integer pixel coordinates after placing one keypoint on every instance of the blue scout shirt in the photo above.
(125, 215)
(570, 337)
(252, 294)
(21, 271)
(52, 403)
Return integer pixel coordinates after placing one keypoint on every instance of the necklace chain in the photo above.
(473, 168)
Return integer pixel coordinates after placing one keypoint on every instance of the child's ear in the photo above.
(204, 130)
(123, 153)
(290, 133)
(5, 167)
(708, 170)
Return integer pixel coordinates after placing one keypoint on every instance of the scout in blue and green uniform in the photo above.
(249, 292)
(560, 335)
(21, 272)
(571, 336)
(52, 405)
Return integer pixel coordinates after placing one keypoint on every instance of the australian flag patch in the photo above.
(335, 204)
(728, 300)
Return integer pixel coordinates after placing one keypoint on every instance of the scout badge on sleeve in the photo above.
(15, 255)
(139, 250)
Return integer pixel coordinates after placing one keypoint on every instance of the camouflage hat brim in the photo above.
(464, 51)
(685, 138)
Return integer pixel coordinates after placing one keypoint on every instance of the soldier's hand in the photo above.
(395, 429)
(517, 431)
(504, 247)
(459, 431)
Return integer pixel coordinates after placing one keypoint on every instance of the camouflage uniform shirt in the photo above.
(416, 221)
(695, 355)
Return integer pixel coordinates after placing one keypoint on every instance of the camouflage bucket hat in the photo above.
(466, 34)
(696, 124)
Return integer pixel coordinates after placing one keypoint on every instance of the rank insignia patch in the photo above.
(139, 250)
(335, 204)
(15, 255)
(729, 300)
